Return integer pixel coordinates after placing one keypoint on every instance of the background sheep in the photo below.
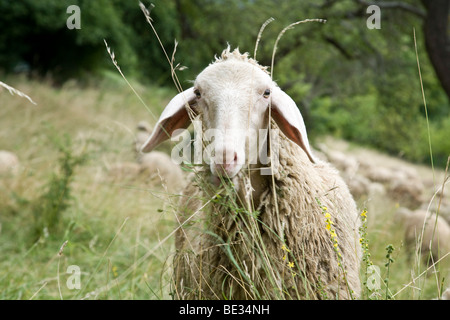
(406, 187)
(367, 177)
(425, 231)
(142, 133)
(292, 234)
(123, 170)
(155, 167)
(440, 203)
(359, 186)
(158, 166)
(9, 163)
(347, 165)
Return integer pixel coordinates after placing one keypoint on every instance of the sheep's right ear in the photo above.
(289, 120)
(175, 116)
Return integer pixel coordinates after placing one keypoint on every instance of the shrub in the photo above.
(48, 207)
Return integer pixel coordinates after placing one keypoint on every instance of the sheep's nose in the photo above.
(226, 162)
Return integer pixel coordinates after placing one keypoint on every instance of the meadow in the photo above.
(117, 230)
(109, 223)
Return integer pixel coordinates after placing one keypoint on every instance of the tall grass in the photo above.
(17, 92)
(438, 274)
(49, 207)
(85, 203)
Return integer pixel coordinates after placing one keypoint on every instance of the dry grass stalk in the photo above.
(261, 30)
(17, 92)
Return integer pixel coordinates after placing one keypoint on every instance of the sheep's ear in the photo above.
(289, 119)
(175, 116)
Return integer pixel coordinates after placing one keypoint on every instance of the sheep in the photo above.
(407, 191)
(158, 166)
(403, 184)
(442, 206)
(154, 167)
(9, 162)
(424, 231)
(440, 203)
(363, 180)
(143, 131)
(359, 186)
(348, 165)
(121, 170)
(379, 174)
(288, 228)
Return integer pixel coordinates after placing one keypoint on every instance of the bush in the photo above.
(49, 206)
(440, 141)
(39, 41)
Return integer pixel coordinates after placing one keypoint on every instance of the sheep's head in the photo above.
(236, 97)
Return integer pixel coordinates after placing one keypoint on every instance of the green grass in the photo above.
(109, 222)
(406, 277)
(119, 230)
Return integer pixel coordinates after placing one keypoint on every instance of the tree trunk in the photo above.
(186, 29)
(437, 39)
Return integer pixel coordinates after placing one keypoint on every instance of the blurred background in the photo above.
(350, 81)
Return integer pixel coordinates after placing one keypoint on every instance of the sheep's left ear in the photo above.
(289, 119)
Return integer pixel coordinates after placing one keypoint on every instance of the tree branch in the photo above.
(396, 5)
(339, 47)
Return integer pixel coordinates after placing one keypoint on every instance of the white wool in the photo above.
(9, 162)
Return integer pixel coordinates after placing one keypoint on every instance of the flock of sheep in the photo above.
(401, 183)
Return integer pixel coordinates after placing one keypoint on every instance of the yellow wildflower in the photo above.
(114, 270)
(284, 248)
(291, 264)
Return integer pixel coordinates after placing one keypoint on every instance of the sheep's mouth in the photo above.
(225, 181)
(227, 170)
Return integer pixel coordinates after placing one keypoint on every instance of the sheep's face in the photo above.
(236, 99)
(233, 98)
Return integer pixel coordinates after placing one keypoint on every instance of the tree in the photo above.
(35, 34)
(437, 39)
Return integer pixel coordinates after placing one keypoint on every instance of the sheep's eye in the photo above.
(266, 93)
(197, 94)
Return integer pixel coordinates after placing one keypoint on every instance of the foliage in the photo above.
(48, 208)
(38, 39)
(65, 145)
(348, 80)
